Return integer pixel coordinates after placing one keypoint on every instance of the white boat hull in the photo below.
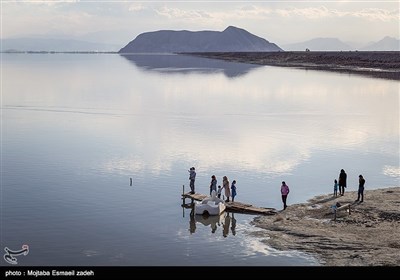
(210, 208)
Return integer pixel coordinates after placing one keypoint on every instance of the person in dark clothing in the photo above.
(192, 178)
(342, 182)
(233, 190)
(213, 184)
(361, 183)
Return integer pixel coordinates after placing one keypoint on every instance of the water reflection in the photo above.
(226, 221)
(170, 63)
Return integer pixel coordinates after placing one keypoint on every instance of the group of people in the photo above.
(342, 184)
(231, 192)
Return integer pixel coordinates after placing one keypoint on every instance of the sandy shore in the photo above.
(369, 236)
(384, 65)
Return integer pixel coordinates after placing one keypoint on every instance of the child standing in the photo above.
(233, 190)
(335, 187)
(219, 191)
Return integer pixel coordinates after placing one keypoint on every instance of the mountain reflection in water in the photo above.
(174, 63)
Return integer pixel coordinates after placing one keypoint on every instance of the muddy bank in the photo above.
(369, 236)
(384, 65)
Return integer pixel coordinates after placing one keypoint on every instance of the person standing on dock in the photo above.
(233, 190)
(342, 182)
(192, 178)
(213, 184)
(225, 184)
(284, 192)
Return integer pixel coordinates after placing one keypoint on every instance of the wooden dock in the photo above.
(236, 207)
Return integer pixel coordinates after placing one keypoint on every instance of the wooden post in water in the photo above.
(183, 201)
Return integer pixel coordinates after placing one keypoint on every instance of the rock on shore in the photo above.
(369, 236)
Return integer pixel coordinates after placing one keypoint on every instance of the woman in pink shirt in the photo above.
(284, 192)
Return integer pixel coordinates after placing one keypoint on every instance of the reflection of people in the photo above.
(192, 222)
(213, 227)
(213, 184)
(225, 184)
(226, 225)
(361, 183)
(342, 181)
(233, 190)
(233, 227)
(284, 192)
(192, 178)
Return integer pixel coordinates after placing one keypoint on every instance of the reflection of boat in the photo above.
(210, 220)
(210, 205)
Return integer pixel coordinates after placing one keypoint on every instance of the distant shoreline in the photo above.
(378, 64)
(57, 52)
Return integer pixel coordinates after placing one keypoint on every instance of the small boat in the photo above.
(210, 205)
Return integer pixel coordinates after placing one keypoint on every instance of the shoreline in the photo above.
(384, 65)
(369, 236)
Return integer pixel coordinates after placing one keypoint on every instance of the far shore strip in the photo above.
(385, 65)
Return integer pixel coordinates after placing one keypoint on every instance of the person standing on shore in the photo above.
(361, 183)
(335, 187)
(284, 192)
(192, 178)
(342, 182)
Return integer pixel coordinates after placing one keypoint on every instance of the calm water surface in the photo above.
(76, 128)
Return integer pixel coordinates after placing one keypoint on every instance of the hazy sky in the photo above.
(281, 22)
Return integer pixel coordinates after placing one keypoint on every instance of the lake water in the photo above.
(76, 128)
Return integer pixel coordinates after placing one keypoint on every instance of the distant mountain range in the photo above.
(232, 39)
(334, 44)
(42, 44)
(386, 44)
(319, 44)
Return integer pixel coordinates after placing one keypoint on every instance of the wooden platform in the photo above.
(236, 207)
